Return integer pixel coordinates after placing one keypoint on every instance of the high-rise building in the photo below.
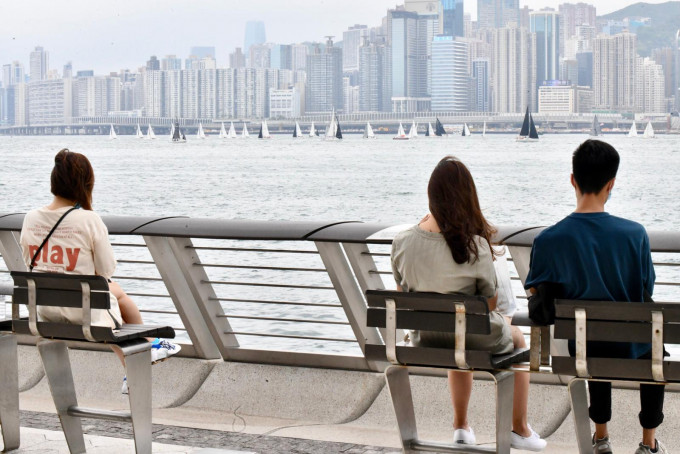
(281, 56)
(650, 87)
(260, 56)
(170, 63)
(450, 75)
(409, 41)
(573, 15)
(324, 80)
(225, 91)
(350, 94)
(524, 14)
(39, 65)
(422, 6)
(569, 71)
(50, 102)
(677, 70)
(203, 51)
(254, 35)
(68, 71)
(546, 25)
(237, 59)
(352, 39)
(614, 68)
(584, 61)
(497, 13)
(285, 103)
(481, 100)
(299, 57)
(96, 96)
(372, 88)
(452, 18)
(18, 110)
(514, 70)
(666, 58)
(153, 93)
(153, 64)
(13, 73)
(564, 98)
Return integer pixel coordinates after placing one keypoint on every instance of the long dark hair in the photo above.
(455, 207)
(73, 178)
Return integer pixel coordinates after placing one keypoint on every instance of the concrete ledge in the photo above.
(321, 395)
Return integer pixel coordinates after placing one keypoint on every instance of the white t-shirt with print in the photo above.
(80, 245)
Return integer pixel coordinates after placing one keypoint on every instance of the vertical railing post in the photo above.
(11, 251)
(349, 293)
(193, 296)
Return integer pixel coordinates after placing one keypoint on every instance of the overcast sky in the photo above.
(108, 36)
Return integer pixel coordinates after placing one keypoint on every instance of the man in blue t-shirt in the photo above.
(592, 255)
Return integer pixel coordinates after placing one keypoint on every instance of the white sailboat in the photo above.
(401, 135)
(112, 134)
(264, 131)
(633, 130)
(244, 133)
(484, 129)
(172, 131)
(466, 130)
(430, 130)
(200, 134)
(223, 132)
(139, 134)
(312, 131)
(150, 134)
(333, 130)
(368, 132)
(232, 131)
(649, 131)
(298, 132)
(413, 132)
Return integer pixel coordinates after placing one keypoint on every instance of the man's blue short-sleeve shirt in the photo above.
(595, 256)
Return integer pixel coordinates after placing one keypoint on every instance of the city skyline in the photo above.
(115, 41)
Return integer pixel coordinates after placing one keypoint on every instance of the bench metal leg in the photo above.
(578, 395)
(54, 355)
(399, 387)
(505, 387)
(9, 392)
(138, 370)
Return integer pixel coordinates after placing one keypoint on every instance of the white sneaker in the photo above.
(162, 349)
(533, 442)
(464, 437)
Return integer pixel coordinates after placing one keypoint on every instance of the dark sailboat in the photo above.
(528, 132)
(439, 129)
(177, 135)
(259, 136)
(338, 132)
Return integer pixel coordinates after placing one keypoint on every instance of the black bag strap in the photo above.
(37, 253)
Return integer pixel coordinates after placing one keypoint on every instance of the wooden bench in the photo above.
(582, 321)
(9, 387)
(446, 313)
(85, 293)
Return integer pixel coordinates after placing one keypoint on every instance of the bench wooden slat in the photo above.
(62, 298)
(60, 281)
(429, 321)
(424, 301)
(617, 368)
(619, 311)
(444, 357)
(617, 331)
(70, 331)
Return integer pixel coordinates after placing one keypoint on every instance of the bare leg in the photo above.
(521, 397)
(128, 308)
(602, 432)
(460, 384)
(649, 437)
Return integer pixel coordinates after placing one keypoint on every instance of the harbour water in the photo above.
(377, 180)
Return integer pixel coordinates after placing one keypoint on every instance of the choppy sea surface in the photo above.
(371, 180)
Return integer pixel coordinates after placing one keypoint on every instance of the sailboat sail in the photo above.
(200, 134)
(528, 132)
(524, 132)
(439, 129)
(649, 131)
(332, 129)
(413, 132)
(232, 131)
(139, 132)
(430, 131)
(265, 130)
(260, 136)
(484, 130)
(297, 132)
(177, 134)
(368, 132)
(338, 131)
(401, 135)
(312, 131)
(466, 130)
(223, 132)
(595, 130)
(533, 134)
(633, 130)
(244, 133)
(150, 134)
(112, 134)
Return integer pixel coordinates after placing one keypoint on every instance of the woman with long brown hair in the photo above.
(78, 245)
(450, 251)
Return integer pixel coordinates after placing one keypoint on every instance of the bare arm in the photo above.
(492, 302)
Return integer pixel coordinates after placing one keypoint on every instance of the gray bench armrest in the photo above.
(522, 319)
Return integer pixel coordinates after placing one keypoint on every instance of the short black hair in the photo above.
(594, 164)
